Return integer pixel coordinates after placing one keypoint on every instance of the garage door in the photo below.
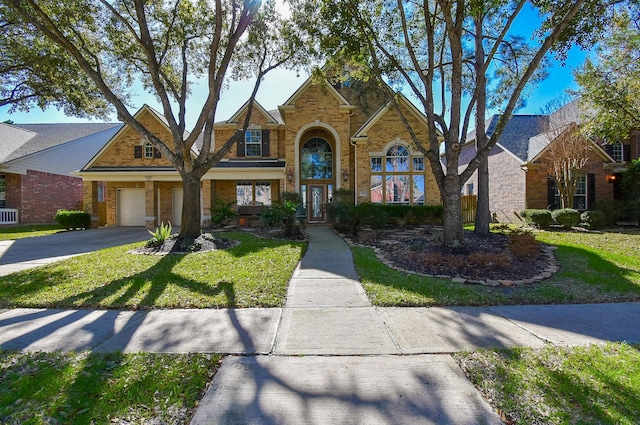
(131, 207)
(178, 195)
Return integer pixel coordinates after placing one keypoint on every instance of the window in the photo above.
(418, 164)
(253, 142)
(617, 151)
(263, 193)
(148, 150)
(376, 164)
(397, 159)
(3, 191)
(580, 198)
(470, 189)
(317, 159)
(253, 193)
(401, 180)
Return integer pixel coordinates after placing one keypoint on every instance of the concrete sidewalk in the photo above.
(328, 356)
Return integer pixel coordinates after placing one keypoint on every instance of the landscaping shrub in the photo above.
(282, 213)
(73, 219)
(593, 219)
(222, 212)
(523, 243)
(349, 218)
(541, 219)
(160, 235)
(567, 217)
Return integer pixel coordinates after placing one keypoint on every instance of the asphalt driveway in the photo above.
(26, 253)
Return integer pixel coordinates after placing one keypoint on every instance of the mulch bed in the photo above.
(485, 257)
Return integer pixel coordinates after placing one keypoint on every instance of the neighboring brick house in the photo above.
(519, 178)
(323, 138)
(36, 162)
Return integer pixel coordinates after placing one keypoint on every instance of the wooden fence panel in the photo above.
(469, 207)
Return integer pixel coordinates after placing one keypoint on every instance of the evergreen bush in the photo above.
(73, 219)
(541, 219)
(594, 219)
(566, 217)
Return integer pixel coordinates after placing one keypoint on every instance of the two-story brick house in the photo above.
(325, 137)
(520, 178)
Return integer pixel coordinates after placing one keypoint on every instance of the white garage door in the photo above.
(131, 207)
(178, 196)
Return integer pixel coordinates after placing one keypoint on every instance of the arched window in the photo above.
(317, 159)
(397, 159)
(400, 180)
(148, 150)
(616, 151)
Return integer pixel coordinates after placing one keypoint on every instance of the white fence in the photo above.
(8, 216)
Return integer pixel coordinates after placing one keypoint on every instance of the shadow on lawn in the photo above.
(143, 289)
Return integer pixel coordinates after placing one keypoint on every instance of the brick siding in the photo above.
(43, 194)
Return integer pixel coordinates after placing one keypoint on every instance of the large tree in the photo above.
(167, 45)
(36, 72)
(610, 82)
(457, 58)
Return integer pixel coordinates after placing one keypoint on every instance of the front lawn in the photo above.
(28, 231)
(252, 274)
(559, 385)
(595, 267)
(90, 388)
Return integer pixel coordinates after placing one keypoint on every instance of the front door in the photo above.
(316, 202)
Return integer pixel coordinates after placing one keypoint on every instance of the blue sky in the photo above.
(280, 84)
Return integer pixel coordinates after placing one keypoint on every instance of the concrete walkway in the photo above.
(328, 356)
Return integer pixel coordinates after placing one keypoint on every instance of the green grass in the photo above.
(83, 388)
(595, 267)
(30, 231)
(560, 385)
(252, 274)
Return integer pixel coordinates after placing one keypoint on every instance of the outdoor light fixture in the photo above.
(345, 174)
(611, 178)
(290, 175)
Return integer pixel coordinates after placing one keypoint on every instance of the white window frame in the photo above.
(253, 142)
(617, 151)
(147, 150)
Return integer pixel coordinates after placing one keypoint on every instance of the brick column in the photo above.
(90, 201)
(150, 199)
(206, 203)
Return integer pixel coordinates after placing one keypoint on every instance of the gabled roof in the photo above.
(20, 140)
(291, 102)
(517, 133)
(402, 100)
(158, 116)
(271, 118)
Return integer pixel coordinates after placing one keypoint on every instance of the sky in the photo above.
(280, 84)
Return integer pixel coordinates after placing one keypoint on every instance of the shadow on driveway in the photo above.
(30, 252)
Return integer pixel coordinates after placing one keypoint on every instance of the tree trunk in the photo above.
(453, 237)
(482, 210)
(191, 209)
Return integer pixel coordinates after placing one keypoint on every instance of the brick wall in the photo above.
(43, 194)
(121, 153)
(536, 185)
(506, 186)
(13, 189)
